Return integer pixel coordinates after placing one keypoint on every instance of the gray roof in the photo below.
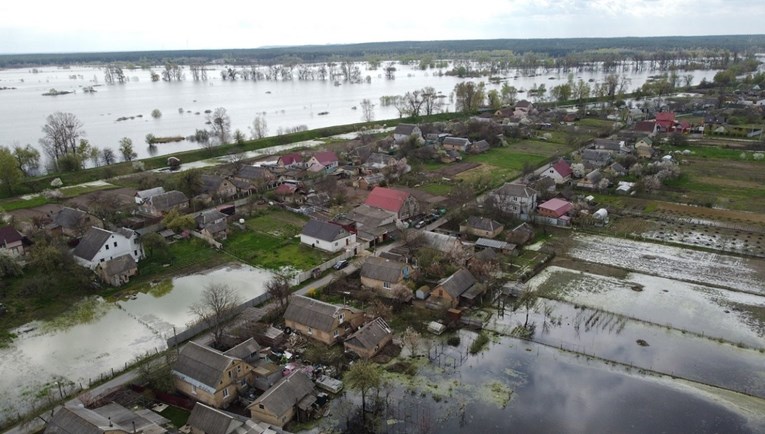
(483, 223)
(211, 421)
(494, 244)
(214, 228)
(69, 217)
(123, 417)
(119, 265)
(379, 158)
(79, 420)
(456, 141)
(166, 201)
(480, 146)
(254, 172)
(405, 129)
(145, 194)
(286, 393)
(607, 144)
(125, 232)
(441, 242)
(91, 243)
(324, 231)
(202, 363)
(311, 313)
(370, 335)
(211, 183)
(458, 282)
(245, 350)
(596, 155)
(209, 216)
(382, 269)
(516, 190)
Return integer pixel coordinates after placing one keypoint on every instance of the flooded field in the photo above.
(716, 313)
(712, 269)
(519, 386)
(97, 337)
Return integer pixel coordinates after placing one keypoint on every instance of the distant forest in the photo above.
(589, 49)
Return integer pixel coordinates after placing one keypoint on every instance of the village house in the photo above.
(117, 271)
(665, 121)
(321, 321)
(11, 241)
(404, 131)
(372, 224)
(324, 160)
(144, 195)
(403, 204)
(645, 127)
(451, 246)
(616, 169)
(72, 222)
(218, 187)
(291, 161)
(292, 395)
(554, 208)
(596, 157)
(459, 144)
(212, 224)
(326, 236)
(481, 227)
(208, 420)
(370, 181)
(386, 276)
(254, 178)
(160, 204)
(369, 339)
(209, 376)
(495, 245)
(612, 146)
(479, 147)
(100, 245)
(521, 234)
(515, 199)
(460, 286)
(591, 180)
(108, 419)
(644, 148)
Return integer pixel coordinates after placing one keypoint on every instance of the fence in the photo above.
(308, 274)
(209, 240)
(203, 326)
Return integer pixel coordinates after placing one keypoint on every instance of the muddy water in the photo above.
(549, 392)
(634, 343)
(707, 311)
(99, 336)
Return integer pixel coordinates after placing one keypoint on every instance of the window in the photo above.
(135, 252)
(230, 374)
(336, 333)
(102, 259)
(243, 382)
(310, 331)
(107, 247)
(239, 369)
(261, 406)
(225, 392)
(115, 244)
(341, 318)
(386, 285)
(193, 389)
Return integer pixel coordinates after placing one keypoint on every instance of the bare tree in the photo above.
(367, 110)
(62, 132)
(220, 124)
(259, 128)
(217, 306)
(279, 288)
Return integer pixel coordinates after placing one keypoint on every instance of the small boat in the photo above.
(323, 113)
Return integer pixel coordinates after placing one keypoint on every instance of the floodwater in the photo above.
(77, 348)
(644, 346)
(703, 310)
(283, 104)
(518, 386)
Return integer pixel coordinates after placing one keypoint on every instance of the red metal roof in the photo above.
(665, 120)
(563, 168)
(290, 159)
(387, 199)
(556, 206)
(645, 126)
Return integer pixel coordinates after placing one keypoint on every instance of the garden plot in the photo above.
(713, 237)
(712, 269)
(710, 312)
(612, 337)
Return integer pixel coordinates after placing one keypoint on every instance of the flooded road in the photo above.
(97, 337)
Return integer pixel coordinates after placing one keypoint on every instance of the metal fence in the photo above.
(309, 274)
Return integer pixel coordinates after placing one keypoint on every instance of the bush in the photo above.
(479, 343)
(156, 114)
(454, 341)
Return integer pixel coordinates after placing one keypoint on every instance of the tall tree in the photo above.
(126, 149)
(259, 128)
(220, 123)
(363, 376)
(367, 110)
(469, 96)
(279, 288)
(10, 174)
(62, 132)
(217, 306)
(509, 94)
(108, 156)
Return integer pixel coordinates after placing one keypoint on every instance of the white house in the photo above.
(516, 199)
(560, 172)
(326, 236)
(100, 245)
(404, 131)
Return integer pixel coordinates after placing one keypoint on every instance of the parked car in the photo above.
(420, 224)
(341, 264)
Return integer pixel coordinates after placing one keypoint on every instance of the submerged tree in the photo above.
(259, 128)
(364, 376)
(126, 149)
(62, 132)
(220, 123)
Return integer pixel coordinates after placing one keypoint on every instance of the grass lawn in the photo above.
(503, 164)
(14, 204)
(177, 416)
(82, 189)
(438, 189)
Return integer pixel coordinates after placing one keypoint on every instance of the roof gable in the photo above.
(9, 235)
(517, 190)
(458, 282)
(325, 157)
(165, 201)
(563, 168)
(69, 217)
(91, 243)
(285, 394)
(311, 313)
(370, 335)
(119, 265)
(290, 159)
(382, 269)
(483, 223)
(202, 364)
(211, 421)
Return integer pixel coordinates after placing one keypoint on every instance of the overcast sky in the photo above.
(34, 26)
